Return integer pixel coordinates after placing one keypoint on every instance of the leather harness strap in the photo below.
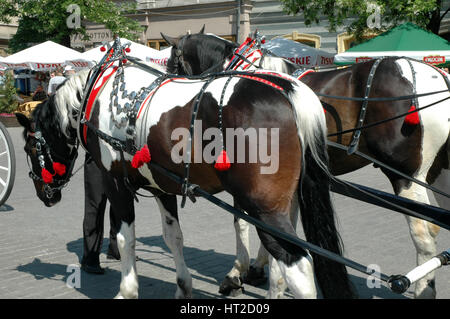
(184, 186)
(362, 113)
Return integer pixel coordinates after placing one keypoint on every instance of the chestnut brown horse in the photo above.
(420, 149)
(110, 108)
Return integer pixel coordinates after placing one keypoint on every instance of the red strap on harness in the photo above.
(93, 95)
(255, 78)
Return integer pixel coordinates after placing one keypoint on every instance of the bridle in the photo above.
(43, 152)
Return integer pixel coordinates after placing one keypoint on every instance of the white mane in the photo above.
(66, 99)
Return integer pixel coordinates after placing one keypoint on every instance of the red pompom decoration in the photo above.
(127, 50)
(263, 41)
(248, 40)
(59, 168)
(413, 118)
(124, 61)
(103, 49)
(222, 162)
(142, 156)
(47, 177)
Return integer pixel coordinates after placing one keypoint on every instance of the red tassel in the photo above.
(59, 168)
(46, 176)
(413, 118)
(142, 156)
(223, 162)
(127, 50)
(103, 49)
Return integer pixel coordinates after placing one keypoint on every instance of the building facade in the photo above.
(176, 17)
(268, 18)
(7, 31)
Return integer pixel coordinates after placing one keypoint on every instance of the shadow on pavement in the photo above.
(204, 263)
(6, 208)
(380, 292)
(101, 286)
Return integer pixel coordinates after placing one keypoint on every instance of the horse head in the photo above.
(51, 142)
(194, 54)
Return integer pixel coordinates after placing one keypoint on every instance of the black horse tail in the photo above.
(318, 219)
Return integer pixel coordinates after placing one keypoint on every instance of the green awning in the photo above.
(407, 40)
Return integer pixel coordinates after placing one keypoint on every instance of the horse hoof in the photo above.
(255, 276)
(429, 292)
(231, 287)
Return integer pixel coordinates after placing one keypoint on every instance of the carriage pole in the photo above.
(397, 283)
(194, 189)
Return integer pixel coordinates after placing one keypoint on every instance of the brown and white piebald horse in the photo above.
(266, 100)
(418, 146)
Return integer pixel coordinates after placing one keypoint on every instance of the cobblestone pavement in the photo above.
(38, 244)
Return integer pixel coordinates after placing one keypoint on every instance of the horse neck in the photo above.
(268, 63)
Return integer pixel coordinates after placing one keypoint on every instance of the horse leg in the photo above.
(424, 233)
(126, 244)
(122, 202)
(173, 238)
(442, 183)
(441, 179)
(253, 275)
(294, 264)
(232, 284)
(277, 284)
(423, 236)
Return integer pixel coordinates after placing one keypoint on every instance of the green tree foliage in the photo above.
(8, 93)
(57, 20)
(361, 15)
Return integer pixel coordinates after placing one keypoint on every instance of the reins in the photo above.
(366, 99)
(380, 99)
(388, 119)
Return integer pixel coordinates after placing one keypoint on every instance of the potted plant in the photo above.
(9, 100)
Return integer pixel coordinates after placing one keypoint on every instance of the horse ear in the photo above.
(171, 41)
(202, 30)
(24, 121)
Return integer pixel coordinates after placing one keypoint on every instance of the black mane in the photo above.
(47, 120)
(201, 52)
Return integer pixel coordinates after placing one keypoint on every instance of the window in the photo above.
(231, 38)
(161, 44)
(157, 44)
(309, 39)
(346, 41)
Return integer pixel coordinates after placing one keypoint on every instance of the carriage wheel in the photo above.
(7, 164)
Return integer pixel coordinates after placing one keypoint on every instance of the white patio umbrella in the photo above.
(45, 56)
(299, 53)
(137, 50)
